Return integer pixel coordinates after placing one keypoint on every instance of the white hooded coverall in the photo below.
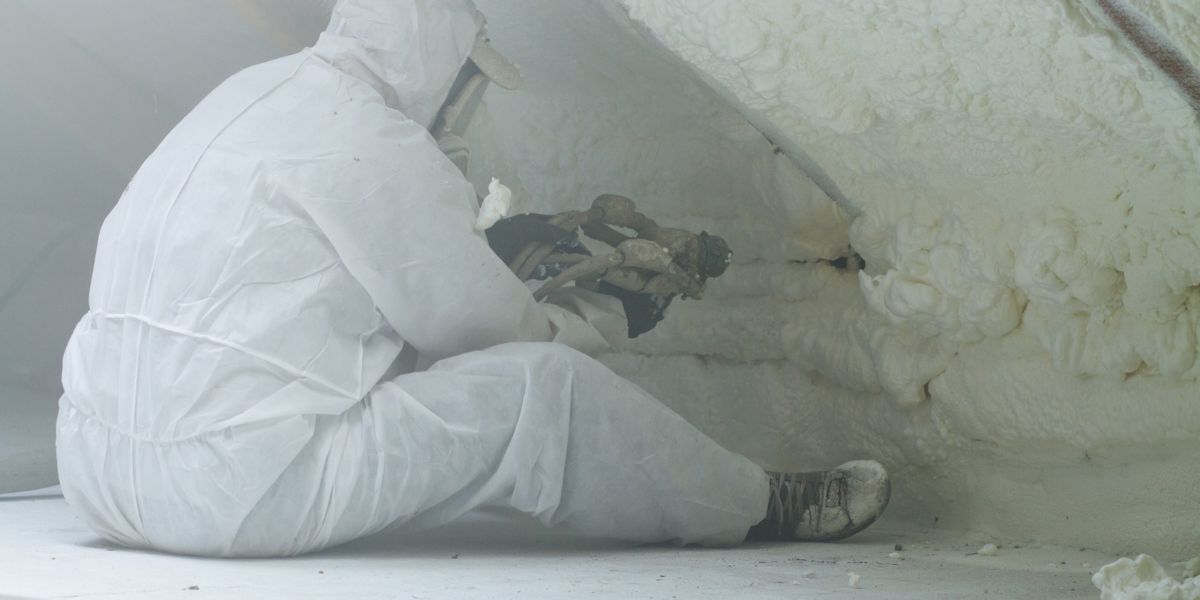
(237, 387)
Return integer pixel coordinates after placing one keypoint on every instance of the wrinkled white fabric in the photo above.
(238, 386)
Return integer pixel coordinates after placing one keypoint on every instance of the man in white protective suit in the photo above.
(243, 383)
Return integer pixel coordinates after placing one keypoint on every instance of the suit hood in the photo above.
(409, 50)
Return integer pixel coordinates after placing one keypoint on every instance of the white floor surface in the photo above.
(46, 552)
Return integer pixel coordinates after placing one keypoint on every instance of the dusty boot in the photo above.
(821, 506)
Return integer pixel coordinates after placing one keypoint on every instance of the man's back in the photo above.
(209, 263)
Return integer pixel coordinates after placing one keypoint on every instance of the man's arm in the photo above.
(409, 239)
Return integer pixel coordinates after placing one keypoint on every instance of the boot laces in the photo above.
(793, 494)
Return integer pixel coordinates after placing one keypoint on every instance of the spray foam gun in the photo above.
(655, 260)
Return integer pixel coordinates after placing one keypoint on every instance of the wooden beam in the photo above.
(289, 25)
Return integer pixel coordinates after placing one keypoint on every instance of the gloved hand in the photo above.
(642, 311)
(510, 235)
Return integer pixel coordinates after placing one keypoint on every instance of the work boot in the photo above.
(822, 506)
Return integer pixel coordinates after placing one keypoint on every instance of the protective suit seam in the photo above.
(251, 103)
(141, 438)
(291, 370)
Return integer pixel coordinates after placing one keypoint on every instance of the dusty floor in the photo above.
(46, 552)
